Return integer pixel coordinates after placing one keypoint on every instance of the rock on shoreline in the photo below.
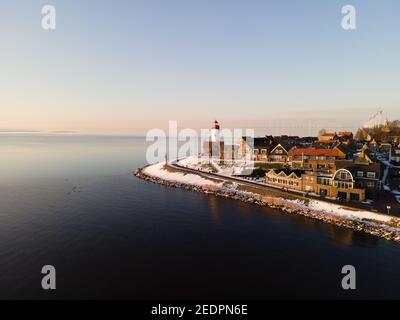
(390, 231)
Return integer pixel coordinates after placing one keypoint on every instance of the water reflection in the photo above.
(214, 209)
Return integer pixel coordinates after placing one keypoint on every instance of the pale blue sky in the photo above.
(127, 66)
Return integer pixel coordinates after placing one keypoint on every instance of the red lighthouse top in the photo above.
(216, 125)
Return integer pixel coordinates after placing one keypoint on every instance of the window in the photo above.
(323, 181)
(371, 175)
(370, 184)
(343, 185)
(354, 197)
(360, 174)
(343, 175)
(323, 192)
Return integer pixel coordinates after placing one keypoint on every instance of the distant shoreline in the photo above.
(379, 225)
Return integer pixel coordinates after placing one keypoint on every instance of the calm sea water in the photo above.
(72, 202)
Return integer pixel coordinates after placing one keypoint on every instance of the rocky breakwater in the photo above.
(389, 230)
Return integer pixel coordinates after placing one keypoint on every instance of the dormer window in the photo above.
(343, 179)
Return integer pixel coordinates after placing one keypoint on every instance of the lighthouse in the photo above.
(215, 136)
(215, 145)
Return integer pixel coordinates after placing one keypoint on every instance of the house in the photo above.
(346, 150)
(306, 141)
(328, 137)
(373, 145)
(345, 134)
(395, 154)
(365, 156)
(366, 175)
(266, 149)
(394, 178)
(345, 137)
(279, 152)
(315, 158)
(285, 178)
(262, 147)
(385, 148)
(338, 185)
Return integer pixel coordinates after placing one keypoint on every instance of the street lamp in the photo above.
(388, 209)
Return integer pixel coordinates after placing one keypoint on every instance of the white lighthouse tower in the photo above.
(215, 133)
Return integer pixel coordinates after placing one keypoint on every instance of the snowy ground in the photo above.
(158, 171)
(195, 162)
(192, 162)
(337, 210)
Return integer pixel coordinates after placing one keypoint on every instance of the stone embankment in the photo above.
(389, 230)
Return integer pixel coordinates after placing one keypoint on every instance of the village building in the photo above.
(285, 178)
(339, 185)
(261, 148)
(327, 172)
(328, 137)
(373, 145)
(265, 149)
(345, 137)
(315, 158)
(394, 178)
(279, 153)
(365, 156)
(366, 176)
(395, 154)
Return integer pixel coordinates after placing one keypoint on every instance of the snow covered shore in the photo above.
(377, 224)
(159, 171)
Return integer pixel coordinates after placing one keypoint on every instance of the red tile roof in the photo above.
(345, 133)
(315, 152)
